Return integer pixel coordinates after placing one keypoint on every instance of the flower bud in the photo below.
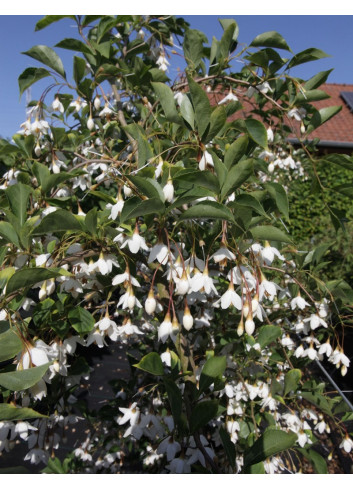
(269, 135)
(50, 286)
(240, 329)
(249, 325)
(97, 102)
(127, 191)
(56, 366)
(90, 124)
(168, 190)
(55, 167)
(175, 325)
(43, 291)
(38, 149)
(188, 320)
(255, 303)
(246, 308)
(150, 304)
(131, 299)
(183, 285)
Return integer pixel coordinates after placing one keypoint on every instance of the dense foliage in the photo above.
(135, 212)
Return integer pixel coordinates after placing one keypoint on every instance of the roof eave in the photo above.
(324, 143)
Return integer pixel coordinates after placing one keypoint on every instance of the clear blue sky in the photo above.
(332, 34)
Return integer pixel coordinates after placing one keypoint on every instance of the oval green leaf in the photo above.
(151, 363)
(19, 380)
(48, 57)
(270, 443)
(8, 412)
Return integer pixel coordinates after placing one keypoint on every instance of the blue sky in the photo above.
(332, 34)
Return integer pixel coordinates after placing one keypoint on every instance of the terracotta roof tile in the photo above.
(338, 129)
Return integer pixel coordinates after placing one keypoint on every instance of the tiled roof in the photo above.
(339, 129)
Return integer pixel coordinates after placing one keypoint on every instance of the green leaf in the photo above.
(214, 53)
(237, 175)
(30, 76)
(103, 196)
(236, 151)
(270, 443)
(212, 370)
(29, 276)
(50, 19)
(54, 467)
(139, 208)
(91, 221)
(19, 380)
(255, 469)
(18, 196)
(307, 55)
(74, 45)
(10, 345)
(247, 200)
(48, 57)
(208, 210)
(58, 221)
(25, 143)
(279, 195)
(200, 178)
(221, 170)
(227, 44)
(55, 179)
(8, 412)
(270, 39)
(318, 400)
(217, 123)
(81, 320)
(151, 363)
(8, 232)
(148, 187)
(310, 96)
(174, 397)
(41, 172)
(193, 47)
(105, 25)
(158, 75)
(225, 23)
(257, 132)
(190, 196)
(270, 233)
(201, 106)
(316, 459)
(5, 275)
(79, 69)
(144, 150)
(268, 334)
(166, 98)
(202, 413)
(187, 111)
(321, 116)
(103, 48)
(317, 80)
(228, 445)
(291, 380)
